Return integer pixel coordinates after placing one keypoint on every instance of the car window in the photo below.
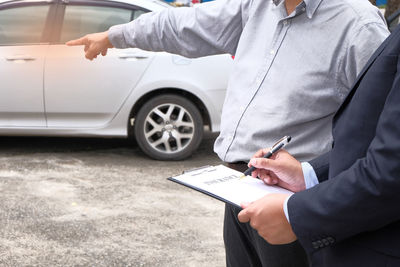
(137, 13)
(22, 25)
(81, 20)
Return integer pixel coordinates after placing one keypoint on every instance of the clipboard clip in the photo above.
(196, 169)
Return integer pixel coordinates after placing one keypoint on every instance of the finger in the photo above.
(274, 179)
(91, 53)
(104, 52)
(244, 216)
(86, 47)
(268, 177)
(262, 163)
(262, 173)
(88, 56)
(244, 205)
(258, 154)
(80, 41)
(270, 181)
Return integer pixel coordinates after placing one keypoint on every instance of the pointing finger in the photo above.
(80, 41)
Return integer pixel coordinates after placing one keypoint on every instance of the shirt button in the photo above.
(304, 9)
(241, 108)
(284, 22)
(272, 51)
(230, 137)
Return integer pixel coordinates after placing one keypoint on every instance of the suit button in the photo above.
(315, 245)
(320, 244)
(326, 242)
(330, 240)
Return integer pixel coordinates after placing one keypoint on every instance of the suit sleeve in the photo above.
(206, 29)
(362, 198)
(321, 167)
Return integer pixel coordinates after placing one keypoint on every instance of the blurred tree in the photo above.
(391, 7)
(373, 2)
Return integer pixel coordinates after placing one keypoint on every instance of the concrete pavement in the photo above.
(102, 202)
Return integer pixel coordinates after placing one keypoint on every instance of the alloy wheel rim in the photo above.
(169, 128)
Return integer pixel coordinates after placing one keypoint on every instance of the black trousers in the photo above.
(244, 247)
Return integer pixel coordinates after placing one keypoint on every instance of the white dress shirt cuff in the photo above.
(285, 208)
(310, 179)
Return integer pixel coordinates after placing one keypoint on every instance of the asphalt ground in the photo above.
(102, 202)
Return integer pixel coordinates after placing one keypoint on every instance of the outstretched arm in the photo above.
(206, 29)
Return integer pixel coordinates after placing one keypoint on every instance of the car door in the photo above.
(87, 94)
(22, 53)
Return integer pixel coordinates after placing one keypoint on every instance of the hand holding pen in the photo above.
(276, 166)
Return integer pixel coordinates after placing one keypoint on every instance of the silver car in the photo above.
(49, 89)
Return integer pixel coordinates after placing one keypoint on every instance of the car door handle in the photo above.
(132, 56)
(20, 58)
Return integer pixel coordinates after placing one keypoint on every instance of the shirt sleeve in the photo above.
(206, 29)
(362, 44)
(310, 178)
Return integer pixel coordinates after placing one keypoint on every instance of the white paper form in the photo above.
(225, 184)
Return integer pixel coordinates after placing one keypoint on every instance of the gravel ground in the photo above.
(102, 202)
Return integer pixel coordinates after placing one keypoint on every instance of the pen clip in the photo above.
(287, 138)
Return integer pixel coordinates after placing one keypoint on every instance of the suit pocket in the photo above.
(385, 64)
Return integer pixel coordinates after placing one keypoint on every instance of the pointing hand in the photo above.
(95, 44)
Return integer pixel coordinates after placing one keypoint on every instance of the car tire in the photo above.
(168, 127)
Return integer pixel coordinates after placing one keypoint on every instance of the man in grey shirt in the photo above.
(295, 61)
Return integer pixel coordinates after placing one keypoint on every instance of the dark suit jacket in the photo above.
(352, 218)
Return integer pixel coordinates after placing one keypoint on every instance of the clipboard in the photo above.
(225, 184)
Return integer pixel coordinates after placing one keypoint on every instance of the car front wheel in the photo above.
(168, 127)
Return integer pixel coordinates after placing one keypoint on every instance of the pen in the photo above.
(278, 145)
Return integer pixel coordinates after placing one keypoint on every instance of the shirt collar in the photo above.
(311, 6)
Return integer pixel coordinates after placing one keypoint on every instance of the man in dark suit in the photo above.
(351, 217)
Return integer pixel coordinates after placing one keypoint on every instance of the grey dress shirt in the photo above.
(291, 72)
